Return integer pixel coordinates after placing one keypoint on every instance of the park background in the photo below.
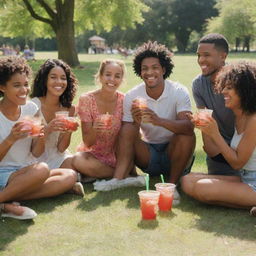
(109, 223)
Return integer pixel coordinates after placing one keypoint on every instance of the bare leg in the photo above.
(88, 165)
(188, 182)
(180, 150)
(60, 181)
(131, 150)
(226, 193)
(25, 180)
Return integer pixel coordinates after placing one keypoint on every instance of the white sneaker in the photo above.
(176, 198)
(107, 185)
(176, 195)
(138, 181)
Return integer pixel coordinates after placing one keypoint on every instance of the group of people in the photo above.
(158, 139)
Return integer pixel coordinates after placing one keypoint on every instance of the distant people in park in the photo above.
(22, 177)
(28, 54)
(212, 52)
(162, 120)
(53, 90)
(101, 114)
(237, 83)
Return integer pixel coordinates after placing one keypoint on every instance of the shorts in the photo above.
(160, 162)
(220, 168)
(249, 178)
(5, 173)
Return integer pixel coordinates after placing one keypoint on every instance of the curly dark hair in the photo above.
(39, 88)
(10, 66)
(219, 41)
(155, 50)
(242, 77)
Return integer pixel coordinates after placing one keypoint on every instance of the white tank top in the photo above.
(251, 164)
(20, 152)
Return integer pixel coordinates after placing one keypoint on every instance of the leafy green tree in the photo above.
(61, 17)
(236, 21)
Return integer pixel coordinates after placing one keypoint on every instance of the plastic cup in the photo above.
(149, 204)
(166, 195)
(107, 120)
(71, 123)
(202, 115)
(61, 114)
(33, 124)
(142, 104)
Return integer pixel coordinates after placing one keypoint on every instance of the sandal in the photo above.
(26, 215)
(78, 189)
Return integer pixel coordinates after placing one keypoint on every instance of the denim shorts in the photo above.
(5, 173)
(249, 178)
(160, 162)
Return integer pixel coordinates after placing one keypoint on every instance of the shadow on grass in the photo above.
(9, 230)
(95, 199)
(219, 220)
(148, 224)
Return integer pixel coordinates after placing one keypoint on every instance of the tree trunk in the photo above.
(65, 33)
(182, 37)
(66, 44)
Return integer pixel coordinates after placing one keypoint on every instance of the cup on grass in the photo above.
(149, 204)
(166, 195)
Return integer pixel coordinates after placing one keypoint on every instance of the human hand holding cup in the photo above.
(201, 116)
(141, 104)
(68, 123)
(32, 125)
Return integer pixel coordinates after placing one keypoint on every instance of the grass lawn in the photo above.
(109, 223)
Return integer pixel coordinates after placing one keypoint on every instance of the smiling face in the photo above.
(152, 72)
(111, 77)
(16, 89)
(232, 99)
(56, 81)
(210, 59)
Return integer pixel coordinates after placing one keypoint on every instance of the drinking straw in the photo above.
(147, 182)
(162, 178)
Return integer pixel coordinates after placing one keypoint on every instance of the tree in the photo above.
(63, 16)
(236, 21)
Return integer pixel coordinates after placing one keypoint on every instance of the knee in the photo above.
(69, 176)
(187, 184)
(204, 191)
(42, 171)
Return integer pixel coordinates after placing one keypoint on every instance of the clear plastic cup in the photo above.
(149, 204)
(202, 115)
(61, 114)
(166, 195)
(107, 120)
(71, 123)
(33, 124)
(142, 104)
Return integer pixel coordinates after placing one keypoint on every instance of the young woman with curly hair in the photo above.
(53, 90)
(237, 83)
(22, 177)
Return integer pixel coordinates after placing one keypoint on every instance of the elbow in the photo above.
(237, 166)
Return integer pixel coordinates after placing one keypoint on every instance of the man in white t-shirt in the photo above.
(166, 142)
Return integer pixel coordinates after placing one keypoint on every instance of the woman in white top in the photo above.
(53, 90)
(237, 82)
(21, 176)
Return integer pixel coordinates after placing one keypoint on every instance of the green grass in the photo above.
(109, 223)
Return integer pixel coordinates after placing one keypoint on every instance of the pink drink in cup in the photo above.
(71, 123)
(33, 124)
(166, 195)
(142, 105)
(107, 120)
(202, 115)
(149, 204)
